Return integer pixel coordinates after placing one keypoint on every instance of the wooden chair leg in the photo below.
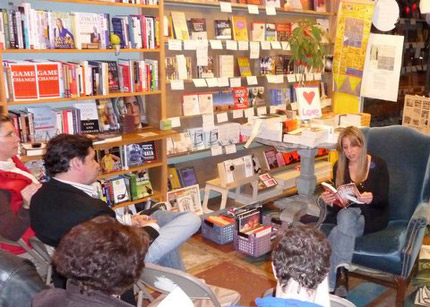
(401, 291)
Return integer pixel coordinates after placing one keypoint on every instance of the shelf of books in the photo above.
(257, 6)
(107, 82)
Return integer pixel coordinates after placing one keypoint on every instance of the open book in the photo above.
(345, 194)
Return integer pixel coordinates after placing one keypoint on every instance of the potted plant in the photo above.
(306, 45)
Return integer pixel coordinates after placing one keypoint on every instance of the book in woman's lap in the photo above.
(346, 194)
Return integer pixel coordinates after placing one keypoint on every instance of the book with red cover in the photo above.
(48, 75)
(283, 30)
(24, 81)
(240, 97)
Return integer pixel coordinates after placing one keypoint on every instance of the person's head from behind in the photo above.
(102, 255)
(301, 254)
(352, 149)
(9, 140)
(71, 157)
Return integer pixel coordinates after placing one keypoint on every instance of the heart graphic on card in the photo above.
(309, 96)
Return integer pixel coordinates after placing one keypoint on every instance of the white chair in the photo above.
(164, 280)
(38, 258)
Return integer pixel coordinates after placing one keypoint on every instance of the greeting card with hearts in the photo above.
(308, 99)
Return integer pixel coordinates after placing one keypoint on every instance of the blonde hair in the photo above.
(356, 138)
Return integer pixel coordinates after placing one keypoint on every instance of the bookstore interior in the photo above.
(231, 111)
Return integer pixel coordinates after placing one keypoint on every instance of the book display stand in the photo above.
(303, 203)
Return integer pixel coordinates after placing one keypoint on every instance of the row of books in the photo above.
(236, 28)
(224, 67)
(200, 138)
(40, 123)
(124, 157)
(32, 79)
(145, 2)
(25, 28)
(315, 5)
(130, 186)
(275, 159)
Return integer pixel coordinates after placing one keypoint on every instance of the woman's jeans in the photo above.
(350, 225)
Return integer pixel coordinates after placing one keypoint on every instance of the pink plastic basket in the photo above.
(253, 245)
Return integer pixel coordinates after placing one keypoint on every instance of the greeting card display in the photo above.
(308, 99)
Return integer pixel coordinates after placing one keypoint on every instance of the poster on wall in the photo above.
(308, 99)
(382, 67)
(353, 29)
(416, 113)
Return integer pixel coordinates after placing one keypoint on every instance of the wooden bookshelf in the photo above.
(239, 6)
(91, 2)
(156, 195)
(155, 50)
(155, 100)
(59, 100)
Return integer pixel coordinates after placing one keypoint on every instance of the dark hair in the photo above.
(102, 255)
(303, 254)
(63, 148)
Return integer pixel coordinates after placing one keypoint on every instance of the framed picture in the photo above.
(133, 106)
(186, 199)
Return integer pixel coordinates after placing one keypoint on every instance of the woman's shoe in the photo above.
(341, 288)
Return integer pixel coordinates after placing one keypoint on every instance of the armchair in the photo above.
(388, 256)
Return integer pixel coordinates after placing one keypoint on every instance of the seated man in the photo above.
(300, 263)
(19, 281)
(95, 275)
(67, 200)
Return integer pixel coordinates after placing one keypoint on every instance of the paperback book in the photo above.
(346, 194)
(222, 29)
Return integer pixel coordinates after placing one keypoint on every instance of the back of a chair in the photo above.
(406, 153)
(336, 301)
(166, 279)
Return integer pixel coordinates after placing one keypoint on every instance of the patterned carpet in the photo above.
(223, 266)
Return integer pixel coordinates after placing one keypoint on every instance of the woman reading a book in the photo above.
(370, 211)
(17, 186)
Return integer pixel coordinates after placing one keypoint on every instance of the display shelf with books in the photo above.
(243, 7)
(118, 31)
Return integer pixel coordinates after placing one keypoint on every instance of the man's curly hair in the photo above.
(102, 255)
(303, 254)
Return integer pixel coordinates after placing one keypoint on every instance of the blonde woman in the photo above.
(370, 174)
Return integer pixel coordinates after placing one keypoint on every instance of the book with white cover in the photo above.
(226, 66)
(190, 104)
(206, 103)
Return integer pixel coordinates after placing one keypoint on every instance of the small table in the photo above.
(303, 203)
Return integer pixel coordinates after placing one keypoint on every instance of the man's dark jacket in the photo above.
(58, 207)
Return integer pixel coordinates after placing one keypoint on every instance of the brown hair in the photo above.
(102, 255)
(356, 138)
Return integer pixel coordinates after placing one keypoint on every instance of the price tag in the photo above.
(230, 45)
(261, 110)
(270, 78)
(235, 82)
(225, 7)
(223, 82)
(265, 45)
(255, 50)
(253, 9)
(243, 45)
(291, 78)
(216, 150)
(249, 112)
(237, 113)
(175, 44)
(230, 149)
(199, 83)
(190, 44)
(273, 109)
(221, 117)
(278, 79)
(309, 77)
(285, 46)
(177, 85)
(212, 82)
(294, 106)
(270, 10)
(276, 45)
(208, 120)
(176, 122)
(252, 80)
(317, 76)
(299, 77)
(216, 44)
